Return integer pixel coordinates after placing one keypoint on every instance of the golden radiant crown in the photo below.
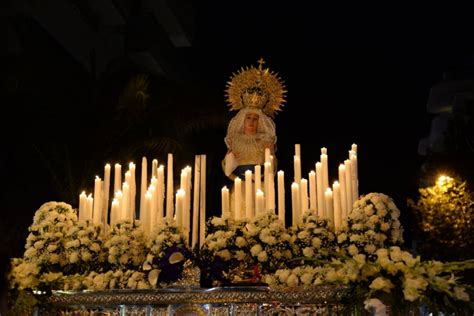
(256, 88)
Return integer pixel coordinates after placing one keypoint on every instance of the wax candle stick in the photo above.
(320, 190)
(97, 211)
(225, 202)
(160, 194)
(133, 189)
(304, 195)
(267, 155)
(189, 177)
(271, 189)
(169, 187)
(106, 190)
(258, 177)
(153, 189)
(337, 204)
(143, 184)
(180, 194)
(312, 192)
(248, 195)
(118, 215)
(82, 206)
(114, 212)
(259, 202)
(295, 198)
(126, 215)
(342, 182)
(154, 168)
(266, 179)
(354, 148)
(298, 150)
(146, 222)
(281, 196)
(324, 169)
(89, 207)
(297, 168)
(349, 199)
(202, 206)
(197, 180)
(118, 178)
(237, 198)
(354, 178)
(329, 206)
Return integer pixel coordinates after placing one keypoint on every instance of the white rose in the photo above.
(352, 249)
(224, 254)
(292, 280)
(303, 234)
(54, 258)
(39, 244)
(262, 256)
(308, 252)
(370, 248)
(240, 255)
(381, 283)
(255, 250)
(95, 247)
(282, 275)
(316, 242)
(341, 238)
(240, 242)
(73, 257)
(86, 255)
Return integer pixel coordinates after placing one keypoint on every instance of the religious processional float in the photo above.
(341, 249)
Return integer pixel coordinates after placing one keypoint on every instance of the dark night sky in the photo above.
(354, 74)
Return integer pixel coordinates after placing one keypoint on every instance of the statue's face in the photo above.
(251, 123)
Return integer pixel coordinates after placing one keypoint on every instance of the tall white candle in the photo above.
(281, 196)
(329, 206)
(259, 202)
(271, 189)
(153, 190)
(143, 184)
(267, 155)
(183, 187)
(304, 195)
(337, 204)
(106, 194)
(118, 215)
(189, 177)
(258, 177)
(202, 206)
(97, 213)
(354, 179)
(248, 195)
(297, 168)
(225, 202)
(180, 195)
(118, 178)
(237, 198)
(82, 206)
(354, 148)
(197, 180)
(295, 197)
(342, 182)
(298, 150)
(349, 199)
(114, 212)
(320, 190)
(89, 207)
(160, 193)
(312, 192)
(133, 189)
(146, 222)
(266, 179)
(126, 215)
(324, 169)
(154, 168)
(169, 188)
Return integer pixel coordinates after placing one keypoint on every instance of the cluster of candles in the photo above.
(329, 203)
(187, 206)
(153, 206)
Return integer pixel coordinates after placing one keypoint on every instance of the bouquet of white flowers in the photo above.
(126, 246)
(373, 223)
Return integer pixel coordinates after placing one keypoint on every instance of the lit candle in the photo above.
(312, 192)
(281, 196)
(126, 215)
(258, 177)
(298, 150)
(180, 194)
(82, 206)
(248, 194)
(197, 179)
(169, 188)
(97, 213)
(297, 169)
(160, 193)
(304, 195)
(153, 189)
(271, 187)
(105, 203)
(319, 189)
(189, 176)
(324, 169)
(342, 182)
(225, 202)
(329, 206)
(118, 215)
(354, 148)
(267, 154)
(324, 150)
(143, 184)
(117, 178)
(349, 199)
(238, 197)
(146, 222)
(354, 179)
(259, 202)
(202, 206)
(267, 175)
(337, 204)
(295, 195)
(89, 207)
(114, 212)
(184, 187)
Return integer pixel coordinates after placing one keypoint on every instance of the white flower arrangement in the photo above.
(44, 244)
(126, 245)
(373, 223)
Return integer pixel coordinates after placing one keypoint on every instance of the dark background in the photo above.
(354, 74)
